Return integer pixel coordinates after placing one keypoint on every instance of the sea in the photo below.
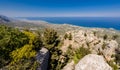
(99, 22)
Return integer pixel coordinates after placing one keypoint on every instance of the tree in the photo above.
(66, 36)
(50, 38)
(70, 36)
(115, 37)
(105, 37)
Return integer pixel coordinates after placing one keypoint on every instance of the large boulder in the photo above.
(92, 62)
(43, 57)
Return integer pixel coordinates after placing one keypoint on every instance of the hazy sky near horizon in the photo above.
(60, 8)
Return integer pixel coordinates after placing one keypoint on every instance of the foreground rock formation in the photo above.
(43, 57)
(92, 62)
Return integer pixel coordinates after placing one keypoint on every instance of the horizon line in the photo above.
(60, 16)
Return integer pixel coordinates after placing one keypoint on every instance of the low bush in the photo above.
(80, 53)
(114, 66)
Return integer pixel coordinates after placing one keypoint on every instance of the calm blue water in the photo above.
(101, 22)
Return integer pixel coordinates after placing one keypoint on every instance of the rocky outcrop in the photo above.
(109, 50)
(43, 57)
(89, 39)
(95, 41)
(92, 62)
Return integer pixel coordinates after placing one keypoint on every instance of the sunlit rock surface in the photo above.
(92, 62)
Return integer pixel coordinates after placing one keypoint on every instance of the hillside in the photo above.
(66, 44)
(4, 19)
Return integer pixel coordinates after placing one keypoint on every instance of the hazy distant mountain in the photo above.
(24, 23)
(4, 19)
(20, 23)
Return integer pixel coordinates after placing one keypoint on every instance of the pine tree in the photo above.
(50, 38)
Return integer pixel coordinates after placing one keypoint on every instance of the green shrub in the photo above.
(105, 37)
(115, 37)
(54, 63)
(70, 52)
(10, 39)
(70, 36)
(26, 52)
(26, 64)
(18, 49)
(114, 66)
(66, 36)
(103, 46)
(117, 57)
(80, 53)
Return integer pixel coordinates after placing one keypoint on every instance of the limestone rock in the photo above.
(69, 66)
(89, 39)
(92, 62)
(110, 49)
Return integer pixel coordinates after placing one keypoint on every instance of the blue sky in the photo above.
(59, 8)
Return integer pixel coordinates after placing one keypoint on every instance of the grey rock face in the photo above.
(92, 62)
(43, 57)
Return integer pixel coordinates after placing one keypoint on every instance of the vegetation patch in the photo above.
(80, 53)
(18, 49)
